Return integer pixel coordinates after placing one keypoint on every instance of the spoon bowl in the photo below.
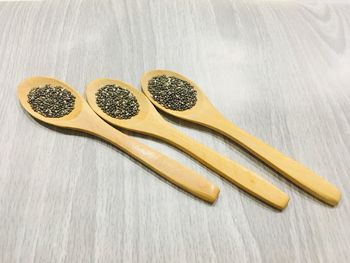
(83, 118)
(204, 113)
(194, 114)
(28, 84)
(135, 123)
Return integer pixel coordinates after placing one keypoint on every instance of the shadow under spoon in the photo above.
(83, 118)
(204, 113)
(148, 121)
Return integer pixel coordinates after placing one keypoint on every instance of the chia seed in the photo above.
(172, 93)
(51, 102)
(117, 102)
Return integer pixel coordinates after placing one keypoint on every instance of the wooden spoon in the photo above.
(82, 118)
(204, 113)
(149, 121)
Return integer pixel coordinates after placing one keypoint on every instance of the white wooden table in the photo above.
(278, 69)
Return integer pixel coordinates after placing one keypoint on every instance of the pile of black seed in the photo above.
(52, 102)
(172, 93)
(117, 102)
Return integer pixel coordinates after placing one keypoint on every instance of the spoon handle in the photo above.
(230, 170)
(287, 167)
(168, 168)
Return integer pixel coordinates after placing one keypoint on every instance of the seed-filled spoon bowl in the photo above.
(55, 102)
(160, 85)
(122, 105)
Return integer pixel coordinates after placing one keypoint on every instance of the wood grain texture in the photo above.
(281, 72)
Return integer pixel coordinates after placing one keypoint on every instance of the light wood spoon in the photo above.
(205, 113)
(84, 119)
(149, 121)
